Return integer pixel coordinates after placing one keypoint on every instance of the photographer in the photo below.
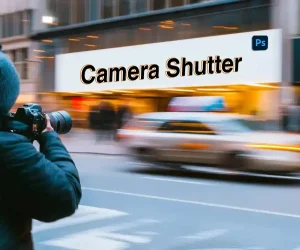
(43, 185)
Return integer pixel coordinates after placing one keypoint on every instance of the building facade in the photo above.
(76, 26)
(17, 19)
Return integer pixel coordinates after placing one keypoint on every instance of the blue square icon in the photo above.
(260, 43)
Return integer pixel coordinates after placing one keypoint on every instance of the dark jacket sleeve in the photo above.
(43, 185)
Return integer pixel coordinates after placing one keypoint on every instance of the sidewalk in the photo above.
(84, 141)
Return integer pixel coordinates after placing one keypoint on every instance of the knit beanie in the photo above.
(9, 84)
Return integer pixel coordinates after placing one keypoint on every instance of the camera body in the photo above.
(30, 121)
(31, 114)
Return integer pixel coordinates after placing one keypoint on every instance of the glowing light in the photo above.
(180, 90)
(168, 22)
(146, 29)
(48, 19)
(94, 37)
(213, 89)
(74, 40)
(166, 27)
(226, 27)
(123, 91)
(47, 41)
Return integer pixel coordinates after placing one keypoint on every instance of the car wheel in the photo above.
(145, 154)
(234, 161)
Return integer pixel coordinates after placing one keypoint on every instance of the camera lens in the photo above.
(61, 121)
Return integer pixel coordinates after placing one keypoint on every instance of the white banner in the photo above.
(217, 60)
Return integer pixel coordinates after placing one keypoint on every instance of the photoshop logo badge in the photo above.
(260, 43)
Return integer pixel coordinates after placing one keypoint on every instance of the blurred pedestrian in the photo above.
(43, 185)
(123, 115)
(94, 120)
(107, 120)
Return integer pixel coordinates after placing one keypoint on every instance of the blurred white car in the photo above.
(217, 139)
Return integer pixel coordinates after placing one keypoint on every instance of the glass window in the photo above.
(176, 3)
(19, 58)
(63, 12)
(13, 55)
(186, 127)
(93, 10)
(124, 7)
(75, 45)
(18, 29)
(51, 8)
(143, 124)
(144, 34)
(79, 10)
(212, 24)
(233, 125)
(3, 26)
(6, 26)
(12, 28)
(27, 21)
(1, 30)
(158, 4)
(107, 8)
(141, 6)
(24, 56)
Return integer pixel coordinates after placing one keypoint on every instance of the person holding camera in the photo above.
(43, 185)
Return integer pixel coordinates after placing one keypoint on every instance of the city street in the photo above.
(128, 205)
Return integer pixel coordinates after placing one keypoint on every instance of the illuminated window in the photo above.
(158, 4)
(124, 7)
(176, 3)
(141, 6)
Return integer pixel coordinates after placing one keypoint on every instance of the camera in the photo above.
(30, 121)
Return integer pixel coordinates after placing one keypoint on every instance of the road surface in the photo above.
(128, 205)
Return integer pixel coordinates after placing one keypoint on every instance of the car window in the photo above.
(231, 125)
(143, 123)
(186, 127)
